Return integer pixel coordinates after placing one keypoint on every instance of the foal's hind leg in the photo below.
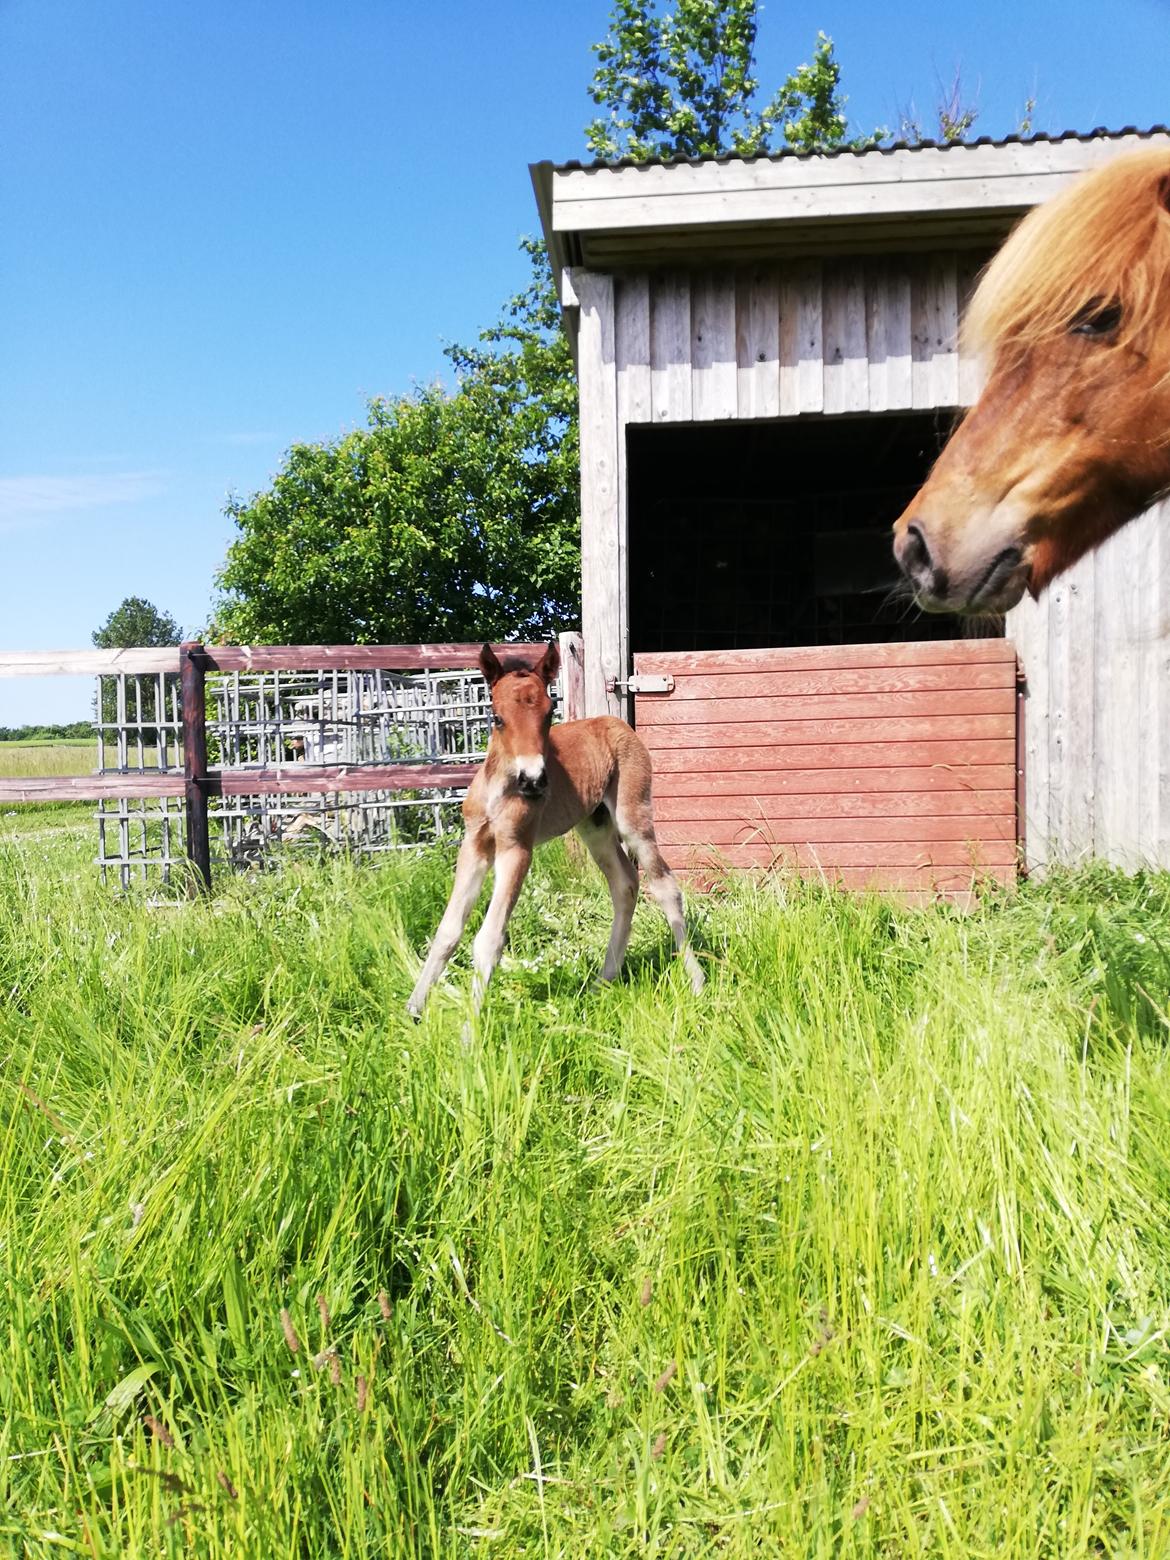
(636, 826)
(601, 840)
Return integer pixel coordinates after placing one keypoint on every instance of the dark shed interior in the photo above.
(759, 535)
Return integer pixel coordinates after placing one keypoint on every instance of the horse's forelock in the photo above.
(1104, 240)
(514, 665)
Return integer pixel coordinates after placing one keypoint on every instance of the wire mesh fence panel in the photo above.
(138, 836)
(138, 724)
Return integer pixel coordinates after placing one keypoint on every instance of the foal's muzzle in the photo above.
(532, 788)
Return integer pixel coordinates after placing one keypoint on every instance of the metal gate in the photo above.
(893, 766)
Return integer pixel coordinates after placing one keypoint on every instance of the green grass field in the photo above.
(865, 1252)
(22, 760)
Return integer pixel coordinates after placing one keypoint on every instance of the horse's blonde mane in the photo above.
(1104, 240)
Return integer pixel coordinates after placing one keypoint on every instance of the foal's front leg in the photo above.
(512, 863)
(470, 871)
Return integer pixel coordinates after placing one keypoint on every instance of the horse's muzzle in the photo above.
(983, 585)
(532, 789)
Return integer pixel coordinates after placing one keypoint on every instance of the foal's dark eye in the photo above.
(1096, 319)
(497, 721)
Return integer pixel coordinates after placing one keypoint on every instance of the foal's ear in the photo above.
(489, 666)
(550, 665)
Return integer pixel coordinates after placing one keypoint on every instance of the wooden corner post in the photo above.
(572, 676)
(603, 521)
(192, 685)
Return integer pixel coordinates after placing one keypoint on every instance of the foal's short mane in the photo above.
(1104, 240)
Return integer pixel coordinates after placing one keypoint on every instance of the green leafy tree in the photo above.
(450, 516)
(682, 83)
(135, 622)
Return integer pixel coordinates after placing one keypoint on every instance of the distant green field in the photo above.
(864, 1252)
(20, 760)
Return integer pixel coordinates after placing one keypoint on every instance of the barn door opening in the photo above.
(763, 535)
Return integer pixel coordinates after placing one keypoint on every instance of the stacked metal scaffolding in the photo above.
(267, 719)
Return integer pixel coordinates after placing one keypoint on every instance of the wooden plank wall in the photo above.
(1096, 654)
(779, 339)
(885, 766)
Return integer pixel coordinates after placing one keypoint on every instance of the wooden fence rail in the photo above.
(192, 661)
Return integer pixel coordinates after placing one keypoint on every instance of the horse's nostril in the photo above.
(917, 564)
(915, 556)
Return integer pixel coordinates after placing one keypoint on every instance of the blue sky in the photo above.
(226, 225)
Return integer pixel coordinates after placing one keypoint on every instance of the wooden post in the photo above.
(192, 683)
(603, 521)
(572, 676)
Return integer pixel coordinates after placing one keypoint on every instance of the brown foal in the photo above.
(539, 781)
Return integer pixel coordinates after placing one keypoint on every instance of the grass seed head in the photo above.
(290, 1332)
(666, 1377)
(158, 1430)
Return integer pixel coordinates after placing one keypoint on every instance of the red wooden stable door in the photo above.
(889, 766)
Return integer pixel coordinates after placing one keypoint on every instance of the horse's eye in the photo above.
(1097, 319)
(497, 721)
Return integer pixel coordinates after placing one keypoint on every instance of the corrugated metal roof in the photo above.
(786, 153)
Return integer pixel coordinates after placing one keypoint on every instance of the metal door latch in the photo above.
(640, 682)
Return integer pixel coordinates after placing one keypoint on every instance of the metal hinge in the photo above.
(640, 682)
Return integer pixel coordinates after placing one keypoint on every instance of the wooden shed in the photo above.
(768, 358)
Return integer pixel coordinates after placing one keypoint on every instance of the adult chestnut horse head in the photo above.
(1071, 437)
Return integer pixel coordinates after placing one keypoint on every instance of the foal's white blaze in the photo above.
(530, 769)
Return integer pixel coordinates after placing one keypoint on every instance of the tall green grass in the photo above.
(864, 1252)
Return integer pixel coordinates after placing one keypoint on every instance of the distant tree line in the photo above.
(71, 730)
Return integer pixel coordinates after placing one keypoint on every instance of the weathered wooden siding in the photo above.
(775, 339)
(886, 766)
(785, 338)
(1096, 654)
